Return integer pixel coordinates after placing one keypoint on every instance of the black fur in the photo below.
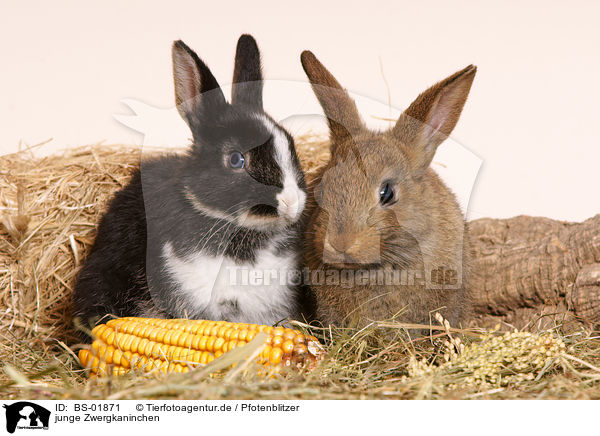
(124, 274)
(247, 82)
(113, 280)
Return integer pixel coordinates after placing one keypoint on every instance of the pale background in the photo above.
(531, 117)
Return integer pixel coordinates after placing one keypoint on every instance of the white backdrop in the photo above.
(531, 117)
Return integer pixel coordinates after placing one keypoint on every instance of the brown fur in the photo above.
(348, 229)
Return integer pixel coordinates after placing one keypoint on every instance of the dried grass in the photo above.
(49, 209)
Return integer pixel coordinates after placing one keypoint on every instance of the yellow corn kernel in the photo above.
(275, 356)
(287, 346)
(276, 341)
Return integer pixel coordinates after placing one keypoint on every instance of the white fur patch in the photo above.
(214, 285)
(291, 199)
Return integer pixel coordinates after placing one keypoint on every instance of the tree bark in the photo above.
(525, 266)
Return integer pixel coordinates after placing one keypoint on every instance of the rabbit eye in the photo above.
(236, 160)
(386, 194)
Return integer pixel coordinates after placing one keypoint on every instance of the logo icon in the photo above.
(26, 415)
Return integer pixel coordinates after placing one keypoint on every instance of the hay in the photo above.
(49, 209)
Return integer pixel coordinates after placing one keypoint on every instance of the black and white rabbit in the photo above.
(214, 233)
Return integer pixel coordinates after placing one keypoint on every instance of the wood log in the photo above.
(525, 266)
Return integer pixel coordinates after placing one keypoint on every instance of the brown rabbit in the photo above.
(385, 236)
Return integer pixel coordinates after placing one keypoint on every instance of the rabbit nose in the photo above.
(290, 203)
(341, 242)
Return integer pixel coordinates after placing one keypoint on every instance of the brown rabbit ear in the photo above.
(430, 119)
(339, 108)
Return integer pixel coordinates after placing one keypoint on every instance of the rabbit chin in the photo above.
(350, 260)
(348, 265)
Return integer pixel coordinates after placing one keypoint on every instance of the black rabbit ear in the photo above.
(197, 92)
(247, 84)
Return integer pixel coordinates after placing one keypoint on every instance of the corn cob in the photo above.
(178, 345)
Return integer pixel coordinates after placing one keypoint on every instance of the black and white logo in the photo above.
(26, 415)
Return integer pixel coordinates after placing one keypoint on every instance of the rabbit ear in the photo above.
(430, 119)
(339, 108)
(247, 84)
(197, 92)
